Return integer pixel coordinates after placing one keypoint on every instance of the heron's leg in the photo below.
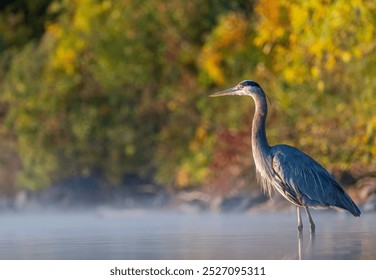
(312, 224)
(300, 224)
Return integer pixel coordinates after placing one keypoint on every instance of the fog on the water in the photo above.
(141, 234)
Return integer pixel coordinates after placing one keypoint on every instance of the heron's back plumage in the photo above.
(304, 182)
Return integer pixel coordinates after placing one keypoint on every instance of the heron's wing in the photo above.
(307, 181)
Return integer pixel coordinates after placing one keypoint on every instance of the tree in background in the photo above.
(321, 54)
(314, 60)
(109, 88)
(106, 92)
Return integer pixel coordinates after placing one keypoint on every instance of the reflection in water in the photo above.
(147, 235)
(336, 245)
(300, 241)
(308, 252)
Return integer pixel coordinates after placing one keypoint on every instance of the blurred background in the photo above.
(106, 102)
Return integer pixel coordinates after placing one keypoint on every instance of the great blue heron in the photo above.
(295, 175)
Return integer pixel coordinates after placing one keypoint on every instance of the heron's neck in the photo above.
(260, 144)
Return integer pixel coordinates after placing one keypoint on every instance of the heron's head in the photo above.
(246, 87)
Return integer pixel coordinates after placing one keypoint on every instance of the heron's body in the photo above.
(289, 171)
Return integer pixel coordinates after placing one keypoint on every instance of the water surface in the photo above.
(107, 234)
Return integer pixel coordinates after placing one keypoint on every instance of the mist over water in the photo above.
(110, 234)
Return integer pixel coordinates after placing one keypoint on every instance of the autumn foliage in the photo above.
(117, 87)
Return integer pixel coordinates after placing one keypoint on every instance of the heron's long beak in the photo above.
(230, 91)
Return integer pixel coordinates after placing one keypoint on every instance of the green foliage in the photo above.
(116, 87)
(105, 91)
(320, 54)
(22, 21)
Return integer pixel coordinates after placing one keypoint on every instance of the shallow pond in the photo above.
(108, 234)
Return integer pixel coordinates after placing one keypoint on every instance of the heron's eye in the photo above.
(240, 86)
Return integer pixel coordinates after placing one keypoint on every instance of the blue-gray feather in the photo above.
(304, 182)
